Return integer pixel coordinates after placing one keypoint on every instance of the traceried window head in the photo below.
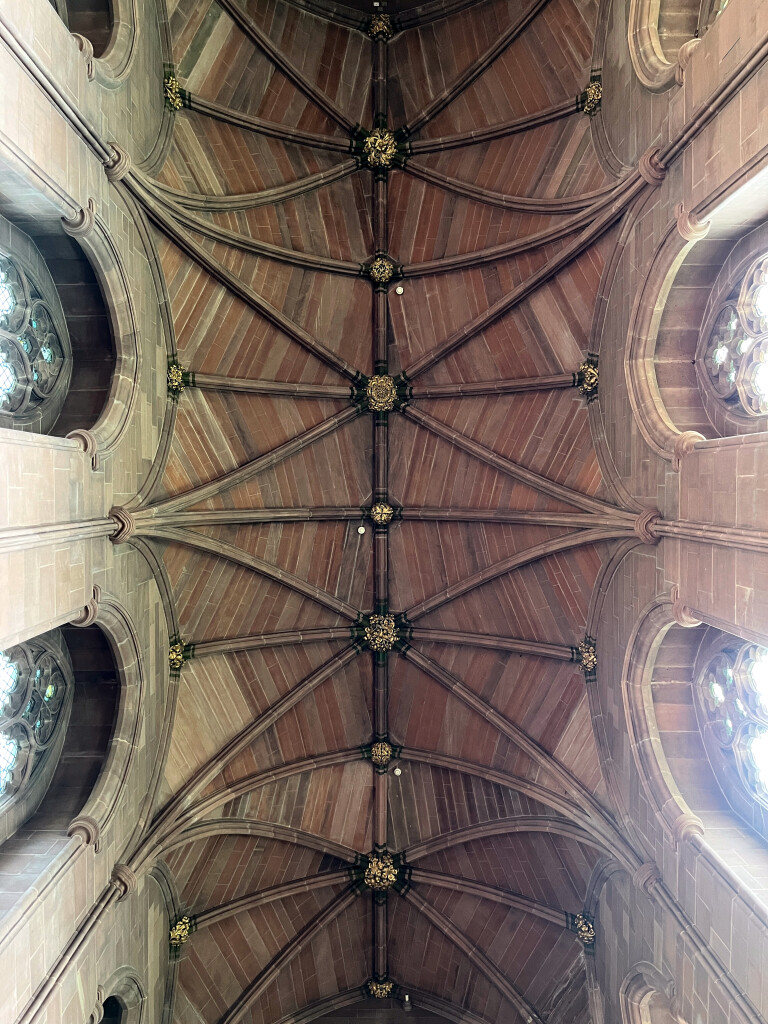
(31, 351)
(733, 700)
(735, 350)
(34, 691)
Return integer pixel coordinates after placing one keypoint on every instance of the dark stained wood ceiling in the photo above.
(268, 800)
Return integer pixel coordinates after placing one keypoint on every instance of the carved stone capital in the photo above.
(88, 441)
(681, 612)
(85, 46)
(119, 165)
(684, 445)
(647, 877)
(86, 827)
(690, 227)
(684, 55)
(97, 1013)
(650, 167)
(687, 826)
(126, 524)
(83, 221)
(644, 526)
(124, 880)
(90, 611)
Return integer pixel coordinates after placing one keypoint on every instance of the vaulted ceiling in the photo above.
(502, 519)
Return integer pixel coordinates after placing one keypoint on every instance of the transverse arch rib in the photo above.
(258, 829)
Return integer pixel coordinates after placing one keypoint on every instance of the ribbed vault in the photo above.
(497, 218)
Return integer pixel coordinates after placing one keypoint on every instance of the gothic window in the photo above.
(734, 350)
(34, 693)
(732, 694)
(31, 351)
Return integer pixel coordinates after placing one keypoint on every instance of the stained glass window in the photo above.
(33, 693)
(31, 352)
(733, 695)
(735, 353)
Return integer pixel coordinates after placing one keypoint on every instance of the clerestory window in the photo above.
(734, 351)
(31, 351)
(34, 692)
(732, 695)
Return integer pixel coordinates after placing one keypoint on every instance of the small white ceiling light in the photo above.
(361, 529)
(399, 290)
(397, 771)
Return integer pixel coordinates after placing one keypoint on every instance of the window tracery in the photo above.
(734, 351)
(31, 351)
(732, 693)
(34, 691)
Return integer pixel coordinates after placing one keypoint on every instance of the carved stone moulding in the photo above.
(380, 988)
(380, 632)
(592, 97)
(381, 752)
(584, 926)
(380, 27)
(381, 513)
(180, 931)
(177, 379)
(381, 872)
(587, 655)
(588, 378)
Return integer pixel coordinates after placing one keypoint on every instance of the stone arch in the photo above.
(646, 996)
(661, 665)
(661, 35)
(124, 998)
(690, 272)
(100, 438)
(121, 635)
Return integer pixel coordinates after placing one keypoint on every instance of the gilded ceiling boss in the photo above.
(383, 429)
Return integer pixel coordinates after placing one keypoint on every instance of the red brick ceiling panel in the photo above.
(427, 471)
(422, 957)
(553, 160)
(334, 471)
(426, 801)
(222, 64)
(226, 692)
(324, 222)
(212, 157)
(331, 555)
(419, 327)
(547, 432)
(335, 803)
(214, 871)
(544, 65)
(425, 717)
(226, 956)
(533, 602)
(334, 718)
(217, 432)
(217, 333)
(550, 869)
(429, 222)
(337, 959)
(304, 296)
(544, 697)
(532, 953)
(426, 557)
(556, 318)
